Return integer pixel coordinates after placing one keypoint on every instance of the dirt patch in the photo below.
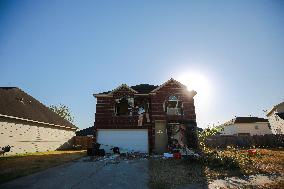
(253, 181)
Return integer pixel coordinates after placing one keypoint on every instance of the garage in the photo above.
(126, 139)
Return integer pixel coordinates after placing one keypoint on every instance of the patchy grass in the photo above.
(15, 166)
(169, 173)
(266, 161)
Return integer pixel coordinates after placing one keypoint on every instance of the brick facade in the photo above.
(105, 117)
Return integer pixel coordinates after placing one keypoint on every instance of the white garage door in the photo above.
(127, 139)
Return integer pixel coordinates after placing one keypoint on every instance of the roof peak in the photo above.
(15, 103)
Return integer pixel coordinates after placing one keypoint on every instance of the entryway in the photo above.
(161, 136)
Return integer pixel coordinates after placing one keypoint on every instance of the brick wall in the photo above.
(105, 109)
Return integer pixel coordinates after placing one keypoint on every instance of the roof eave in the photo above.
(274, 108)
(40, 122)
(123, 85)
(102, 95)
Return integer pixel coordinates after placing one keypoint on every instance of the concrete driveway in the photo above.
(123, 174)
(87, 174)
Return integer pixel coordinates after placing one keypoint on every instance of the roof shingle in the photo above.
(141, 89)
(16, 103)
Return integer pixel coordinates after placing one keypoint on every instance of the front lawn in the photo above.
(169, 173)
(12, 167)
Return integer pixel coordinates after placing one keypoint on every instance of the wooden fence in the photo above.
(259, 141)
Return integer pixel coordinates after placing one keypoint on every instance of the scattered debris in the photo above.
(188, 152)
(115, 150)
(252, 152)
(117, 158)
(5, 149)
(168, 155)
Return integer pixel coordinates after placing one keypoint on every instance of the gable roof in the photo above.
(249, 119)
(86, 131)
(274, 108)
(15, 103)
(170, 80)
(121, 86)
(245, 120)
(138, 89)
(144, 88)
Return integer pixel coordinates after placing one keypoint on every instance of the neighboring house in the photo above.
(90, 131)
(246, 126)
(29, 126)
(145, 117)
(276, 118)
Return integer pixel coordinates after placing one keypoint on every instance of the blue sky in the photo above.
(64, 51)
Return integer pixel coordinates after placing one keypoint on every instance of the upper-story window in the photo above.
(124, 106)
(173, 106)
(256, 127)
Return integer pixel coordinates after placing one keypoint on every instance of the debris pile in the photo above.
(181, 153)
(117, 155)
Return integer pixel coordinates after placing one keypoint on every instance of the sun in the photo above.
(198, 82)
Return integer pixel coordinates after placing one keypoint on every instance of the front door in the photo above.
(161, 137)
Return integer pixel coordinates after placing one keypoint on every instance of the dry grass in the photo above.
(266, 161)
(12, 167)
(227, 163)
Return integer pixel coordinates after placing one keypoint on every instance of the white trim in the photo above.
(29, 120)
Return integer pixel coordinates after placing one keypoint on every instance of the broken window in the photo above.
(124, 105)
(173, 106)
(142, 109)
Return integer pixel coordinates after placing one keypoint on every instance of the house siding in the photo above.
(276, 123)
(239, 128)
(27, 137)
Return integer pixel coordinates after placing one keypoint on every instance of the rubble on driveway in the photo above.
(119, 154)
(117, 158)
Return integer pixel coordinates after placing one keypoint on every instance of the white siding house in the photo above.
(246, 126)
(276, 118)
(29, 126)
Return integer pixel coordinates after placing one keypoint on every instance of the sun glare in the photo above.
(199, 83)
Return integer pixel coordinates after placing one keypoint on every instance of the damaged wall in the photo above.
(188, 110)
(107, 117)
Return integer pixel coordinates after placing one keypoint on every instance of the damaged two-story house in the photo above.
(146, 118)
